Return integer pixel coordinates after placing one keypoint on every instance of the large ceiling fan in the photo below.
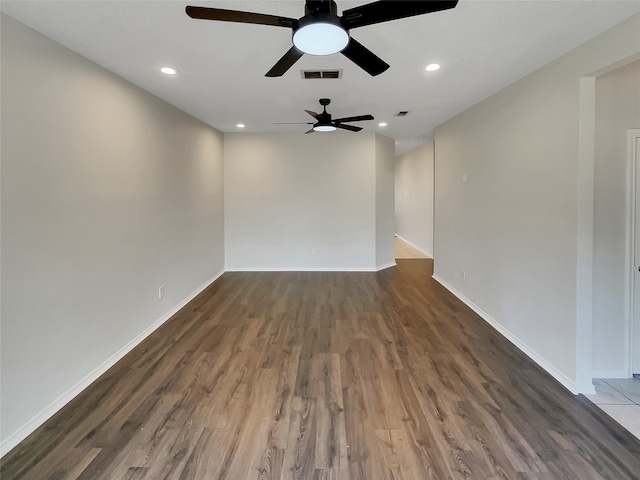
(322, 32)
(324, 123)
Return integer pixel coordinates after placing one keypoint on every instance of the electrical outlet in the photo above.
(160, 292)
(313, 251)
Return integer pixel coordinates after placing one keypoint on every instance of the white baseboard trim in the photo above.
(23, 432)
(385, 266)
(300, 269)
(610, 374)
(586, 389)
(430, 255)
(565, 381)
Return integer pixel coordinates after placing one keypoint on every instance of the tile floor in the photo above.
(620, 399)
(404, 250)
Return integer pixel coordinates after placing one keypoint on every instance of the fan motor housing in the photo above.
(318, 17)
(320, 6)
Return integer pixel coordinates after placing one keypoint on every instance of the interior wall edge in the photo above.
(574, 387)
(584, 233)
(384, 266)
(23, 432)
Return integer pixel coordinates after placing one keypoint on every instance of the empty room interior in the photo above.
(320, 240)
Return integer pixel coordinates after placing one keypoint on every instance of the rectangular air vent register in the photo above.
(319, 74)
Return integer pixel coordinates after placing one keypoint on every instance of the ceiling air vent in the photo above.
(402, 113)
(309, 74)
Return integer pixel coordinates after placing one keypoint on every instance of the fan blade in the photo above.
(285, 63)
(386, 10)
(310, 131)
(204, 13)
(348, 127)
(360, 118)
(313, 114)
(364, 58)
(295, 123)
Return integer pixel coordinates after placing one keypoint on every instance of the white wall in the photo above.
(289, 193)
(107, 193)
(617, 109)
(513, 227)
(414, 197)
(385, 200)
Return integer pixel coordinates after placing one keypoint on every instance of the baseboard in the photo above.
(565, 381)
(385, 266)
(585, 389)
(28, 428)
(430, 255)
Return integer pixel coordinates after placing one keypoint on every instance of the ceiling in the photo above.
(482, 45)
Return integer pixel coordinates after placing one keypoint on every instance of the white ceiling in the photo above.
(482, 45)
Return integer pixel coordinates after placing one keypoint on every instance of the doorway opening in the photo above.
(406, 250)
(633, 250)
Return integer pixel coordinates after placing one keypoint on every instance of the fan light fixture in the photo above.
(324, 128)
(326, 123)
(321, 31)
(320, 38)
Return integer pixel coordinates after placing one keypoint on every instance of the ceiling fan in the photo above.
(324, 123)
(322, 32)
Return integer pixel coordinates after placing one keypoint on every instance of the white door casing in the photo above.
(633, 250)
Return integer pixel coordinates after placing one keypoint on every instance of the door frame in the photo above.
(632, 327)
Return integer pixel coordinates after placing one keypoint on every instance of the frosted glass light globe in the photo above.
(320, 38)
(324, 128)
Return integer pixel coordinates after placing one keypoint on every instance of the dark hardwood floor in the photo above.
(326, 376)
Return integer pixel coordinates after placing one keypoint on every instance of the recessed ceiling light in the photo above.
(382, 124)
(240, 125)
(432, 67)
(169, 71)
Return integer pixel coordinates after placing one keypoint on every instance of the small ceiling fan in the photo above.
(324, 122)
(322, 32)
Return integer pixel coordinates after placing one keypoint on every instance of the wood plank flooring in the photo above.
(336, 376)
(404, 250)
